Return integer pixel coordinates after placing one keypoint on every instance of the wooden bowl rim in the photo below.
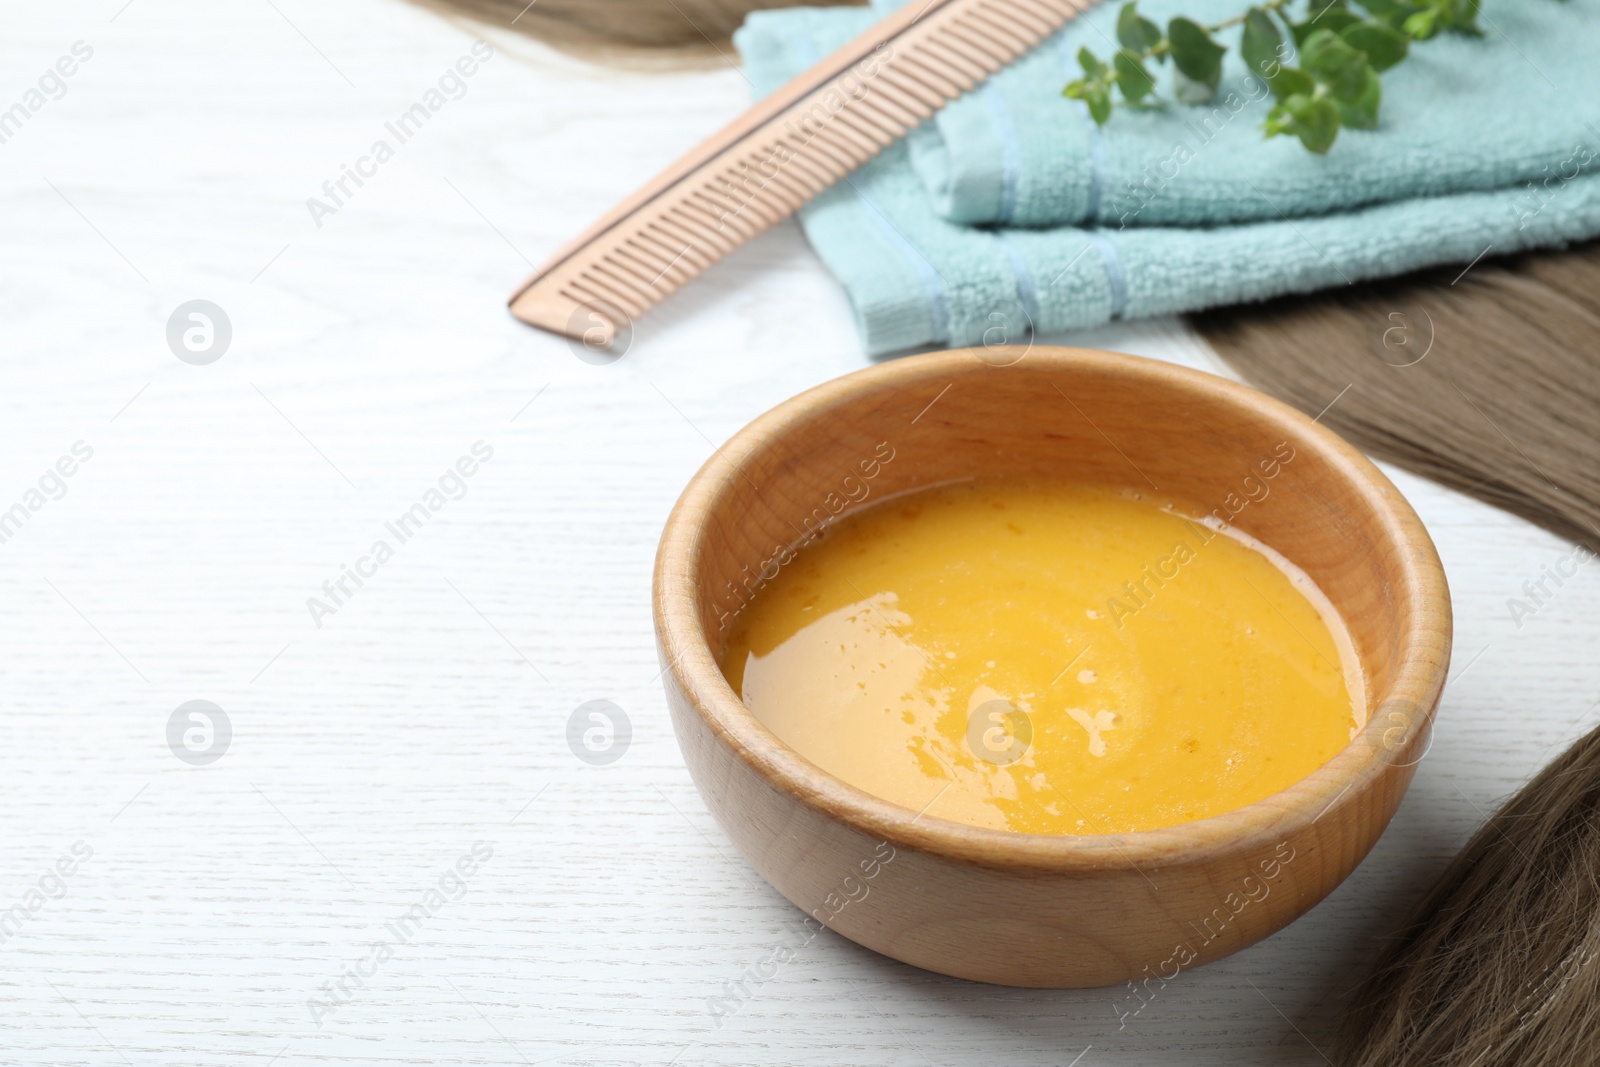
(1424, 646)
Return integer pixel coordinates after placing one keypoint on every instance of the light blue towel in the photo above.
(1460, 114)
(915, 277)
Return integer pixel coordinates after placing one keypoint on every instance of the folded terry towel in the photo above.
(1460, 114)
(917, 278)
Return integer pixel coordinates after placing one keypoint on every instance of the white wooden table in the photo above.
(213, 912)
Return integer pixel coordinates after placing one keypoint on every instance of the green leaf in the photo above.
(1392, 13)
(1138, 35)
(1315, 120)
(1132, 77)
(1384, 46)
(1095, 92)
(1099, 101)
(1091, 64)
(1461, 16)
(1194, 52)
(1317, 11)
(1422, 25)
(1292, 81)
(1335, 64)
(1336, 19)
(1260, 44)
(1386, 9)
(1360, 111)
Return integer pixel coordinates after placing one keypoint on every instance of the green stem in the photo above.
(1162, 47)
(1109, 78)
(1270, 7)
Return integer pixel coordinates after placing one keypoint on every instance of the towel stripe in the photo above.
(932, 282)
(1115, 275)
(1097, 171)
(1027, 287)
(1010, 150)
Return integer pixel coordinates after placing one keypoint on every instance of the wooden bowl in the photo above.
(1038, 909)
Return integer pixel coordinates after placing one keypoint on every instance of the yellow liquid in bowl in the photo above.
(1047, 659)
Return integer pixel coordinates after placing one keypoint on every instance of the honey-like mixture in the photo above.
(1047, 658)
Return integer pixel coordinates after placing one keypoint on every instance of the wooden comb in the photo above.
(777, 156)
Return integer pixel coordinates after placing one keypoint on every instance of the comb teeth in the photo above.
(778, 156)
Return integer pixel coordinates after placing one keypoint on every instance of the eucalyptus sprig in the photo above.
(1340, 47)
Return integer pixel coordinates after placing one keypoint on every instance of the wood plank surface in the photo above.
(211, 911)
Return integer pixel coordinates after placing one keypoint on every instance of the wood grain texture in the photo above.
(406, 728)
(1079, 911)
